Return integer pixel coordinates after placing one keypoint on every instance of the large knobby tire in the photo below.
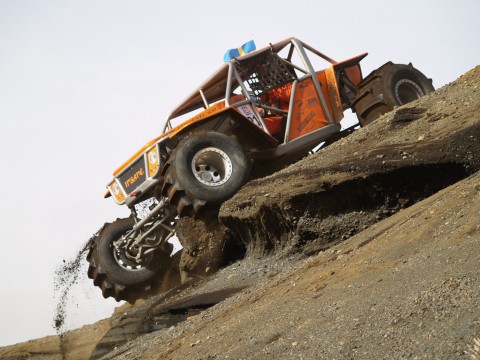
(204, 167)
(116, 275)
(387, 87)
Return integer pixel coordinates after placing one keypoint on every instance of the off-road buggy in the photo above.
(255, 114)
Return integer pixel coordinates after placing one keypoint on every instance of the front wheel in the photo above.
(113, 270)
(205, 167)
(389, 86)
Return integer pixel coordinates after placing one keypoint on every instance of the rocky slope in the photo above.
(367, 249)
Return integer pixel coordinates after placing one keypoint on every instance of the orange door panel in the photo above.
(308, 114)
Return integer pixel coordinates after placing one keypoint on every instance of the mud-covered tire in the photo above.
(114, 277)
(204, 167)
(389, 86)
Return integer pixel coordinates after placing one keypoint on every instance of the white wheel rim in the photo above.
(212, 166)
(407, 90)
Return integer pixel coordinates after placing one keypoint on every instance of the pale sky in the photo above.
(84, 84)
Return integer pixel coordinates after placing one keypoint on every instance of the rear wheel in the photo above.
(389, 86)
(205, 167)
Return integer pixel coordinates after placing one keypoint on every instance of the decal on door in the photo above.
(246, 111)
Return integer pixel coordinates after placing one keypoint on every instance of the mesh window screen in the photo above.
(265, 72)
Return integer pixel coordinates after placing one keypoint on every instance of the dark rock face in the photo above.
(207, 245)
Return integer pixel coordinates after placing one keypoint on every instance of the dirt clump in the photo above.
(207, 245)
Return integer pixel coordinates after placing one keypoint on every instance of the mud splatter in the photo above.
(66, 276)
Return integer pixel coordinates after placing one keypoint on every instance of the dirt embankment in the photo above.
(368, 249)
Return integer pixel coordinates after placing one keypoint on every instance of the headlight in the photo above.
(152, 157)
(153, 161)
(116, 189)
(117, 192)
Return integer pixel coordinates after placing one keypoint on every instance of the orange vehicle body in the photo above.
(308, 110)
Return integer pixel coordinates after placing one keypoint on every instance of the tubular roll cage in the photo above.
(234, 80)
